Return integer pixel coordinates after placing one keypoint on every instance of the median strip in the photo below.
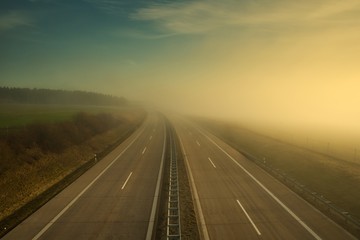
(149, 233)
(203, 228)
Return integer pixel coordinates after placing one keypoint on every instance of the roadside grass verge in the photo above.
(332, 178)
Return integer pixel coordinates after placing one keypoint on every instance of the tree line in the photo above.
(50, 96)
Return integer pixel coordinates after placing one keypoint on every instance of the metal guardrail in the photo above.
(173, 212)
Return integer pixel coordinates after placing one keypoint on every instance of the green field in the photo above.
(18, 115)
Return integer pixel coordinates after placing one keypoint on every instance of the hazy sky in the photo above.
(256, 60)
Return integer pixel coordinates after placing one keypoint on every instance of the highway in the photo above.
(235, 199)
(115, 199)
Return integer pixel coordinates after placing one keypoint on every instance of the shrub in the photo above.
(56, 137)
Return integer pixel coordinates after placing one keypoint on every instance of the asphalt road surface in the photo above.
(116, 199)
(235, 199)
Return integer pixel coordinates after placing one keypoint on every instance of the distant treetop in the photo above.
(49, 96)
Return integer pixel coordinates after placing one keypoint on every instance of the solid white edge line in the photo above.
(157, 190)
(123, 186)
(212, 162)
(144, 151)
(247, 215)
(196, 196)
(37, 236)
(265, 189)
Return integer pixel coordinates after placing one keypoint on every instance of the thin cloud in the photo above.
(14, 19)
(204, 16)
(131, 63)
(193, 17)
(132, 33)
(335, 8)
(108, 6)
(43, 1)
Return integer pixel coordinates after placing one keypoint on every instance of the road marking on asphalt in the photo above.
(157, 193)
(247, 215)
(37, 236)
(205, 233)
(150, 137)
(197, 142)
(123, 186)
(212, 162)
(266, 190)
(144, 151)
